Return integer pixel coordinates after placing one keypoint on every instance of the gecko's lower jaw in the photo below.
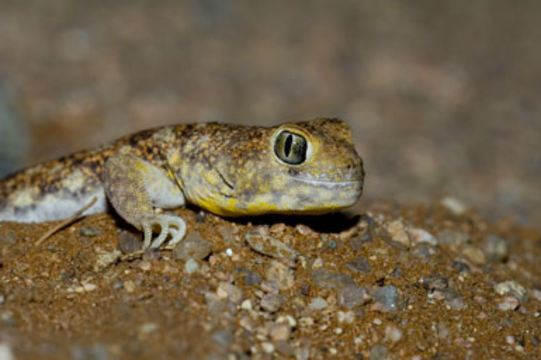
(322, 196)
(358, 183)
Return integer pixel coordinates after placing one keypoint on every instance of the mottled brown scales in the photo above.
(231, 170)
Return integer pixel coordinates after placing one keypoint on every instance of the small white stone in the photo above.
(288, 319)
(536, 294)
(306, 321)
(421, 236)
(338, 331)
(454, 205)
(191, 266)
(89, 287)
(393, 334)
(318, 304)
(5, 352)
(267, 347)
(398, 232)
(229, 252)
(246, 305)
(147, 328)
(346, 317)
(510, 288)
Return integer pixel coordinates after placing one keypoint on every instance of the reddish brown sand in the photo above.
(70, 298)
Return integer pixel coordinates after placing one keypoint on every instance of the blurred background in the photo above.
(443, 96)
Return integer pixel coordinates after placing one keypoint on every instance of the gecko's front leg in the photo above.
(134, 187)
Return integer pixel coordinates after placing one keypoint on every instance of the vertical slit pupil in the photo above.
(287, 145)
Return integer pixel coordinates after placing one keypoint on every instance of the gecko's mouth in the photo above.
(331, 184)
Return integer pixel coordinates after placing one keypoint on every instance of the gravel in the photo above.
(387, 298)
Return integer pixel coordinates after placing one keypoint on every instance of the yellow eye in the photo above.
(290, 148)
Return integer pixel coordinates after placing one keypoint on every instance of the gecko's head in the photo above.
(299, 168)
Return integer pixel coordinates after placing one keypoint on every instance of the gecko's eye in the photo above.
(290, 148)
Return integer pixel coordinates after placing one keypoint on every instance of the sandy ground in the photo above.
(384, 282)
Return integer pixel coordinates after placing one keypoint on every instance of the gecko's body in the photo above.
(306, 168)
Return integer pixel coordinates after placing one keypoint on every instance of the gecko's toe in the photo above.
(170, 225)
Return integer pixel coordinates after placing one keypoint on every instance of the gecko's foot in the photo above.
(168, 224)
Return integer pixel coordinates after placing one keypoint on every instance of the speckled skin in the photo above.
(230, 170)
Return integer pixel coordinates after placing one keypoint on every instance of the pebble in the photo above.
(280, 332)
(421, 236)
(398, 233)
(128, 242)
(452, 238)
(223, 338)
(106, 258)
(392, 334)
(287, 319)
(304, 230)
(536, 293)
(269, 287)
(194, 246)
(508, 303)
(360, 265)
(511, 288)
(461, 266)
(379, 352)
(129, 286)
(454, 205)
(251, 278)
(94, 352)
(443, 330)
(330, 280)
(453, 300)
(280, 274)
(5, 352)
(495, 248)
(89, 231)
(347, 317)
(227, 233)
(358, 242)
(387, 298)
(271, 302)
(424, 251)
(261, 242)
(318, 304)
(434, 282)
(474, 254)
(147, 328)
(215, 306)
(302, 353)
(351, 296)
(267, 347)
(191, 266)
(229, 291)
(306, 321)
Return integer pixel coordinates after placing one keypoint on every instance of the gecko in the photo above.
(308, 167)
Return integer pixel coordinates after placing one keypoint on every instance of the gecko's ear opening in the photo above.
(290, 147)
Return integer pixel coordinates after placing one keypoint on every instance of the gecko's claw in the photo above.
(168, 224)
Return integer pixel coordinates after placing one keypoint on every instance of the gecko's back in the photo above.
(58, 188)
